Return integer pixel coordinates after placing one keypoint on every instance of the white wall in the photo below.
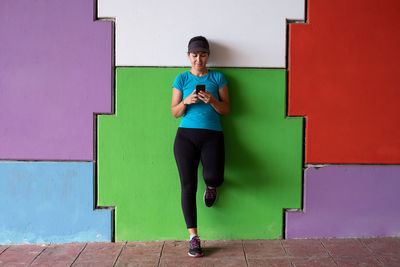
(242, 33)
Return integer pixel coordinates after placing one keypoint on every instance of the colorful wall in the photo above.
(312, 141)
(343, 79)
(55, 75)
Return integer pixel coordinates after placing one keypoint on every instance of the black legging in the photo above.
(190, 146)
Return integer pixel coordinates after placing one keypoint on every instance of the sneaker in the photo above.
(194, 247)
(210, 195)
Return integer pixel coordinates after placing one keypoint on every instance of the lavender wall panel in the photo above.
(348, 201)
(55, 71)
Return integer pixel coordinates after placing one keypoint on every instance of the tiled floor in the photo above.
(295, 252)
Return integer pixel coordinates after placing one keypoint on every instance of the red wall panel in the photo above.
(344, 77)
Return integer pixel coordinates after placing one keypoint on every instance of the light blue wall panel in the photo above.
(50, 202)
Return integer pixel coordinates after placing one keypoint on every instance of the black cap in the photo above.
(198, 44)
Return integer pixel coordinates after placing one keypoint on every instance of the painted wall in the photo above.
(264, 150)
(348, 201)
(343, 77)
(56, 72)
(334, 73)
(242, 34)
(138, 174)
(50, 202)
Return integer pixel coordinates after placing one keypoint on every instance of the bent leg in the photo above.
(213, 159)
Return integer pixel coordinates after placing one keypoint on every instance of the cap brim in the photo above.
(198, 49)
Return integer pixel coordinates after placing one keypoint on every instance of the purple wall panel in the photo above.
(348, 201)
(55, 72)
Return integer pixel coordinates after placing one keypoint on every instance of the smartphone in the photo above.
(200, 87)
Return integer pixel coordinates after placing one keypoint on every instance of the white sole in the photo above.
(201, 255)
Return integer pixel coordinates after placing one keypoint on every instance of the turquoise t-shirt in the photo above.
(200, 115)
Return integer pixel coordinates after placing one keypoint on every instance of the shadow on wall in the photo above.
(219, 52)
(239, 156)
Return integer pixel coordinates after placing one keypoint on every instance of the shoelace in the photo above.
(195, 242)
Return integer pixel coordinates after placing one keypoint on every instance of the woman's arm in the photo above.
(221, 106)
(178, 107)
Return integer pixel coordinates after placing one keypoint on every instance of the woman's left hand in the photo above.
(206, 97)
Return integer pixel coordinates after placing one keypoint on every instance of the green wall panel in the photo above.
(137, 171)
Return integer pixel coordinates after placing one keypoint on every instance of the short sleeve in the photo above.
(178, 84)
(221, 81)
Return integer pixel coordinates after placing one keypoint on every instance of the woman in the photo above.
(199, 136)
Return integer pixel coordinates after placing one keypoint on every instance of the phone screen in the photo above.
(200, 87)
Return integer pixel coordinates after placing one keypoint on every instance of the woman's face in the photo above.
(198, 60)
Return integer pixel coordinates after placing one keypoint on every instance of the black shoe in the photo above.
(194, 247)
(210, 195)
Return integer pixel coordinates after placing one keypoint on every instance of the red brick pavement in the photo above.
(293, 253)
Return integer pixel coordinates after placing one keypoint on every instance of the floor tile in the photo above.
(223, 248)
(230, 262)
(20, 254)
(358, 261)
(204, 261)
(145, 248)
(345, 247)
(390, 260)
(2, 248)
(263, 249)
(59, 255)
(150, 262)
(383, 246)
(99, 254)
(176, 249)
(282, 262)
(293, 252)
(304, 248)
(140, 254)
(184, 260)
(313, 262)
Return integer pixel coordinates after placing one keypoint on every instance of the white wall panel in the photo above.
(242, 33)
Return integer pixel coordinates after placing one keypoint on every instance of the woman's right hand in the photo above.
(191, 99)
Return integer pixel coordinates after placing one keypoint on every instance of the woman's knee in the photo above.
(189, 187)
(213, 180)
